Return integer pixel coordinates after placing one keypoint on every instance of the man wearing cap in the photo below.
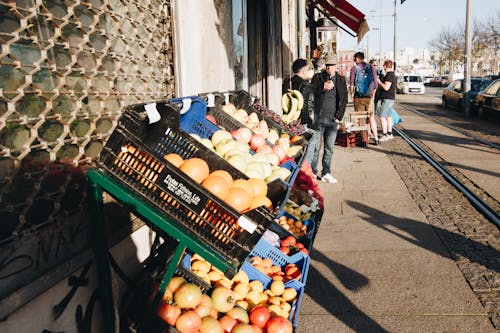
(330, 95)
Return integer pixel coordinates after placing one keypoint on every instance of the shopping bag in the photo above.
(396, 119)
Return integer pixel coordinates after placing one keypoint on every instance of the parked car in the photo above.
(440, 81)
(427, 80)
(487, 102)
(453, 94)
(410, 84)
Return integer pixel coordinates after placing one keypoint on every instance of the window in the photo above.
(239, 44)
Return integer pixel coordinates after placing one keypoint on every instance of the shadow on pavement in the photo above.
(457, 245)
(325, 294)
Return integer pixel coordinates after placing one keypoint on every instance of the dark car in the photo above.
(439, 81)
(487, 102)
(453, 95)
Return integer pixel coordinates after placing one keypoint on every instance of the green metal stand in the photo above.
(100, 182)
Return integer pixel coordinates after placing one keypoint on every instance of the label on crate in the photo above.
(246, 224)
(152, 113)
(185, 193)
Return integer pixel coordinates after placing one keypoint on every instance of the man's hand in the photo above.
(328, 85)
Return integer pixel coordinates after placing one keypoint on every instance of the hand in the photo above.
(328, 85)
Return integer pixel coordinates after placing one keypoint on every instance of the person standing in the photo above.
(330, 95)
(363, 85)
(300, 82)
(387, 96)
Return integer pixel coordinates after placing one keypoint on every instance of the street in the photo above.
(430, 104)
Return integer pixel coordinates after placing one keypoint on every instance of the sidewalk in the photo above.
(377, 264)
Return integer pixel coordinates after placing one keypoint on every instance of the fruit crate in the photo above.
(193, 119)
(134, 156)
(265, 249)
(298, 198)
(254, 274)
(241, 99)
(352, 139)
(304, 239)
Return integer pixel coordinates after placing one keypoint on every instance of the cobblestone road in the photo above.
(473, 242)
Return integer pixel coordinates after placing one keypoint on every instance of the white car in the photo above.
(410, 84)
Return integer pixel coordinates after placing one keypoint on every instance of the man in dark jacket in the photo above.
(330, 95)
(300, 82)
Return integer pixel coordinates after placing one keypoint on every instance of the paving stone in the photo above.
(472, 241)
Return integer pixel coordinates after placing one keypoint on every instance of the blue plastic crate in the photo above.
(305, 239)
(194, 119)
(184, 270)
(266, 250)
(294, 169)
(254, 274)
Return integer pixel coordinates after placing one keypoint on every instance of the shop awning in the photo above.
(346, 13)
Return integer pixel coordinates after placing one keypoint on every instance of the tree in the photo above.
(450, 45)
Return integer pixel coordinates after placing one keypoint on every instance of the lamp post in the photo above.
(394, 41)
(468, 54)
(368, 43)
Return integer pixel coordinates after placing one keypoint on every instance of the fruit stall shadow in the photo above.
(330, 298)
(456, 246)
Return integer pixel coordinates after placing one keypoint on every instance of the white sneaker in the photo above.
(328, 178)
(390, 136)
(384, 138)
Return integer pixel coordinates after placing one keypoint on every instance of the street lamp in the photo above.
(368, 43)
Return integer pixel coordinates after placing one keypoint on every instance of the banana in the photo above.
(285, 103)
(294, 111)
(298, 95)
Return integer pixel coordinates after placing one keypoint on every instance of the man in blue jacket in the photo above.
(330, 95)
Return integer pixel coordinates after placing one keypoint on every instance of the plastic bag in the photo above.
(396, 119)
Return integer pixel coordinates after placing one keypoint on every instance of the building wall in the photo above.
(203, 35)
(67, 71)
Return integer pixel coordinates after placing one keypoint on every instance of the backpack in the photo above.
(364, 81)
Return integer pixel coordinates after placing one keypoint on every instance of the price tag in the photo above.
(211, 100)
(152, 113)
(186, 105)
(226, 98)
(246, 224)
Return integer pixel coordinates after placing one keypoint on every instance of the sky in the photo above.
(418, 21)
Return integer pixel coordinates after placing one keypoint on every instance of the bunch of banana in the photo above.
(291, 103)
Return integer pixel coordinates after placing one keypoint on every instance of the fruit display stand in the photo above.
(133, 171)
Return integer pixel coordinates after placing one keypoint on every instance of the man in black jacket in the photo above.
(300, 82)
(330, 95)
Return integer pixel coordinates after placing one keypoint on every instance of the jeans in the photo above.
(386, 108)
(314, 144)
(328, 131)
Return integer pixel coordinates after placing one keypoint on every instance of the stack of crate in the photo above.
(352, 139)
(357, 133)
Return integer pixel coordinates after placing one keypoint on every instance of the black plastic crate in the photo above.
(136, 160)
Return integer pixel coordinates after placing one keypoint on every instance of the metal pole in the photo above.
(468, 52)
(380, 32)
(394, 41)
(301, 14)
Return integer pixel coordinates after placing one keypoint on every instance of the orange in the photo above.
(216, 185)
(224, 174)
(244, 184)
(259, 187)
(261, 201)
(238, 198)
(175, 159)
(196, 168)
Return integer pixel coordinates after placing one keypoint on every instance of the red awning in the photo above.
(347, 14)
